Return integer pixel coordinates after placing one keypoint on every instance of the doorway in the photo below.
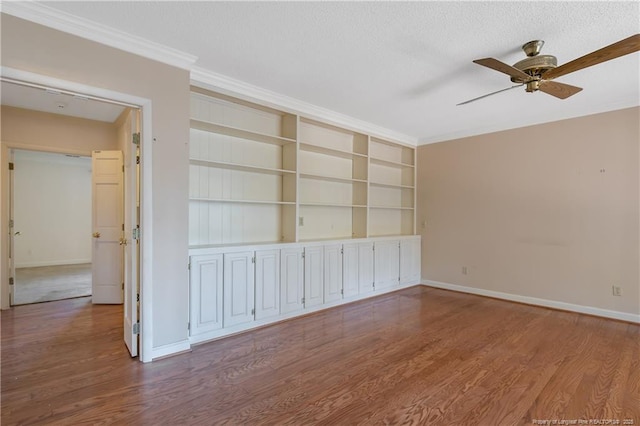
(52, 226)
(137, 157)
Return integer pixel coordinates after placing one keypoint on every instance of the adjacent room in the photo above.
(320, 213)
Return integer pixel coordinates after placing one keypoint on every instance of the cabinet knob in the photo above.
(96, 235)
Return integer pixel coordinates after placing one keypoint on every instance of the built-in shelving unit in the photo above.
(261, 175)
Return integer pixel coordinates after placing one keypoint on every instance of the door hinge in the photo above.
(135, 138)
(10, 223)
(341, 251)
(303, 255)
(10, 280)
(135, 233)
(253, 311)
(253, 259)
(188, 326)
(123, 286)
(123, 226)
(136, 328)
(123, 168)
(303, 300)
(137, 297)
(342, 291)
(137, 159)
(189, 266)
(11, 166)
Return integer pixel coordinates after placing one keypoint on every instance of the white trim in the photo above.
(171, 348)
(52, 263)
(94, 31)
(146, 221)
(223, 84)
(590, 310)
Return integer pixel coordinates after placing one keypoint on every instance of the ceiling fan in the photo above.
(536, 72)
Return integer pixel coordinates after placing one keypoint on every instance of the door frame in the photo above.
(146, 201)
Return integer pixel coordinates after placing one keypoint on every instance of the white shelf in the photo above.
(390, 163)
(332, 205)
(239, 133)
(330, 151)
(223, 200)
(330, 178)
(391, 185)
(239, 167)
(390, 208)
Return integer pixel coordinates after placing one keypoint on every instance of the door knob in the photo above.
(123, 241)
(96, 235)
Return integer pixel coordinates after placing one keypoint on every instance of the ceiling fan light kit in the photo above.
(536, 71)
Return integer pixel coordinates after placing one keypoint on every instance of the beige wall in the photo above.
(30, 47)
(40, 130)
(547, 211)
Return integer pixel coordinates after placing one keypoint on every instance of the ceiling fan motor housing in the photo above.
(535, 66)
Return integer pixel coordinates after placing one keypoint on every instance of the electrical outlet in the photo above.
(301, 221)
(464, 270)
(616, 290)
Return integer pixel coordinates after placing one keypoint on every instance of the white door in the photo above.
(131, 239)
(108, 227)
(205, 292)
(350, 273)
(267, 283)
(332, 272)
(291, 280)
(12, 234)
(387, 264)
(313, 276)
(239, 288)
(365, 268)
(410, 261)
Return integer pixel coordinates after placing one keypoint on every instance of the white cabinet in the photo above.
(205, 294)
(410, 261)
(332, 272)
(357, 272)
(365, 268)
(238, 288)
(350, 273)
(313, 276)
(291, 280)
(267, 283)
(234, 289)
(387, 264)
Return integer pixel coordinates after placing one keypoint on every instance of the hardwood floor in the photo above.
(48, 283)
(416, 356)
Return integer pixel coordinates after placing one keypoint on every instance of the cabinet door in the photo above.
(238, 288)
(350, 272)
(267, 283)
(332, 272)
(291, 280)
(313, 276)
(387, 264)
(205, 294)
(365, 268)
(410, 261)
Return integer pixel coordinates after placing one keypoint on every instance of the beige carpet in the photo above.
(48, 283)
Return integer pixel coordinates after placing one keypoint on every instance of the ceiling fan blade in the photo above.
(495, 64)
(559, 90)
(615, 50)
(489, 94)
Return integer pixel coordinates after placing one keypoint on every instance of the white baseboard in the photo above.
(590, 310)
(171, 349)
(52, 263)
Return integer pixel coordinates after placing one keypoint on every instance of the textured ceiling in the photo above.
(400, 65)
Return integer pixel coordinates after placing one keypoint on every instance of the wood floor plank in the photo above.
(416, 356)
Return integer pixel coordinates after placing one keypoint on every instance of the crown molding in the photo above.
(229, 86)
(62, 21)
